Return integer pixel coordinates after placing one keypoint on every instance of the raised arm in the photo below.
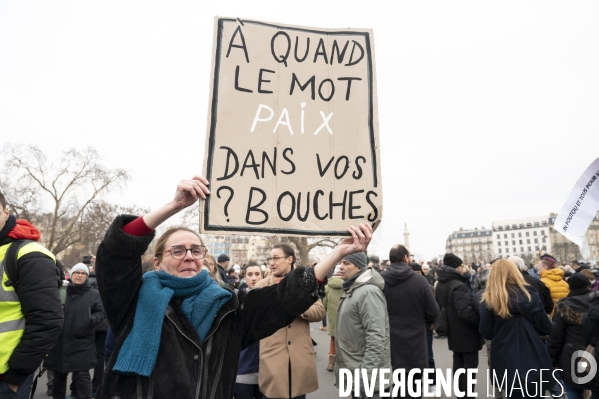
(358, 242)
(188, 192)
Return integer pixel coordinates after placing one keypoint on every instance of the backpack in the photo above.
(12, 270)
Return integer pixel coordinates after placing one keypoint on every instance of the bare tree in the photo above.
(62, 190)
(304, 245)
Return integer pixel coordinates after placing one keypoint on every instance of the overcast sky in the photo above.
(487, 110)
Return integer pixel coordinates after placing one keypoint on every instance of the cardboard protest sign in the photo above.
(581, 206)
(292, 143)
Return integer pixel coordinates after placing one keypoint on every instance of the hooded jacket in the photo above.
(362, 332)
(39, 301)
(517, 344)
(76, 348)
(412, 308)
(554, 280)
(462, 318)
(567, 334)
(333, 293)
(187, 366)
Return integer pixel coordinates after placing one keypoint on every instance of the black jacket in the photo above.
(76, 348)
(185, 366)
(463, 320)
(517, 344)
(93, 282)
(542, 290)
(412, 308)
(567, 335)
(41, 306)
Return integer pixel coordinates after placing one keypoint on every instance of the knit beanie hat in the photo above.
(416, 267)
(80, 266)
(223, 258)
(577, 281)
(548, 258)
(452, 260)
(358, 259)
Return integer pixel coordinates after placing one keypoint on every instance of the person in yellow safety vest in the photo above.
(31, 315)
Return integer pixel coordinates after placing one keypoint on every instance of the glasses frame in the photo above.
(170, 251)
(276, 258)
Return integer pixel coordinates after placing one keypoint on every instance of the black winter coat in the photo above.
(567, 335)
(93, 282)
(542, 290)
(590, 323)
(185, 366)
(463, 320)
(412, 308)
(517, 344)
(76, 348)
(40, 303)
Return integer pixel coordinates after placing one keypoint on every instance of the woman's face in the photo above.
(186, 267)
(209, 264)
(78, 277)
(253, 274)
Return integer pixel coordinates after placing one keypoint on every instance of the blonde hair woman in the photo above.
(512, 316)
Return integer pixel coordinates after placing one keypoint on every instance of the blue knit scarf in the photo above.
(203, 298)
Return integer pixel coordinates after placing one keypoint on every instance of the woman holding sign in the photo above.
(178, 332)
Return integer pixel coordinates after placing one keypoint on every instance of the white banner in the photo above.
(581, 206)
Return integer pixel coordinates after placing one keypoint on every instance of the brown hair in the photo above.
(164, 237)
(588, 274)
(287, 250)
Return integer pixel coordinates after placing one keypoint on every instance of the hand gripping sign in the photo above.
(292, 144)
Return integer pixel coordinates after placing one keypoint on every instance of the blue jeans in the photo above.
(23, 392)
(247, 391)
(576, 392)
(431, 359)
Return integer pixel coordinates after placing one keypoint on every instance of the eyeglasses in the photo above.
(276, 258)
(78, 273)
(179, 251)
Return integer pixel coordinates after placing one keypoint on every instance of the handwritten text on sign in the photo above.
(292, 144)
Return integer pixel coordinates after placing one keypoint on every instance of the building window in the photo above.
(529, 249)
(507, 250)
(528, 241)
(513, 242)
(520, 242)
(499, 250)
(519, 234)
(505, 236)
(534, 233)
(498, 236)
(537, 248)
(536, 240)
(521, 249)
(542, 232)
(513, 235)
(499, 243)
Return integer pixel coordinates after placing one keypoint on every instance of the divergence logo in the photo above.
(582, 363)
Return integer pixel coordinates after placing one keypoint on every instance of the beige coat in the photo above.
(291, 344)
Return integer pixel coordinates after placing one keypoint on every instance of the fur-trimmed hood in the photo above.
(573, 309)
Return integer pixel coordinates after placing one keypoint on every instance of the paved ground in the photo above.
(326, 379)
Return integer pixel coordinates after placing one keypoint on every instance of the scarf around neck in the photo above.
(346, 285)
(202, 299)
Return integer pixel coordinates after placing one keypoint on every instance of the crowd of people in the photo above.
(190, 324)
